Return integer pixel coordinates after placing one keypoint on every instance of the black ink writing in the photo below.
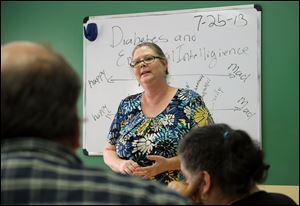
(220, 21)
(241, 106)
(217, 93)
(198, 82)
(101, 77)
(205, 88)
(118, 38)
(183, 53)
(102, 112)
(235, 71)
(185, 38)
(122, 60)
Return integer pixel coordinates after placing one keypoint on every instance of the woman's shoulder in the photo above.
(281, 198)
(266, 198)
(188, 93)
(133, 97)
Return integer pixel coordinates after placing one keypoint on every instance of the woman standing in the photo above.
(145, 132)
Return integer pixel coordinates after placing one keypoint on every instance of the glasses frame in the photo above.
(144, 60)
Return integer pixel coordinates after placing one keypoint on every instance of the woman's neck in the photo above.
(231, 200)
(155, 94)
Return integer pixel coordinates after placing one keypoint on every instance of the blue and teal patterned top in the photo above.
(135, 135)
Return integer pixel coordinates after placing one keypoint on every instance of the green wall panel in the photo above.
(60, 24)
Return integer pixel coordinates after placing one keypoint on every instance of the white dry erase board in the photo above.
(214, 51)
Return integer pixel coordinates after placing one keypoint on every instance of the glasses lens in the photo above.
(146, 60)
(149, 59)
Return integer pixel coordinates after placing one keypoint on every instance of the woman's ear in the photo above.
(206, 183)
(165, 63)
(194, 185)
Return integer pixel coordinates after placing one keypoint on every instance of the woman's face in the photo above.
(148, 72)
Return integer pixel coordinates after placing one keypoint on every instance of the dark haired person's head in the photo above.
(39, 92)
(225, 162)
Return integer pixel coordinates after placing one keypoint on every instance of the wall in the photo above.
(60, 24)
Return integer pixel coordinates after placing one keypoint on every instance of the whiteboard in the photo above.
(215, 52)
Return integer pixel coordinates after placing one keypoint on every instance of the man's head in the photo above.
(39, 91)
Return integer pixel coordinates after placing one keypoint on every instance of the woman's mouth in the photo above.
(145, 72)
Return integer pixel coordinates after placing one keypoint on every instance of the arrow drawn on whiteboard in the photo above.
(234, 109)
(225, 75)
(116, 80)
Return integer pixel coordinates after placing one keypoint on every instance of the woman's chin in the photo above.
(145, 78)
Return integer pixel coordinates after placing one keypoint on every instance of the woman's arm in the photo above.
(116, 163)
(160, 165)
(173, 163)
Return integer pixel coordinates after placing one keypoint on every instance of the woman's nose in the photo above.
(143, 64)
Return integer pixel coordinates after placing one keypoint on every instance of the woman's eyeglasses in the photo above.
(146, 60)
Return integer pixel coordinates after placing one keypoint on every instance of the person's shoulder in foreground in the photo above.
(40, 133)
(37, 171)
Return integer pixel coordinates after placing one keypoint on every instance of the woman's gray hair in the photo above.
(156, 49)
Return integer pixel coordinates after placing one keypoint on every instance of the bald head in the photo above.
(22, 54)
(39, 92)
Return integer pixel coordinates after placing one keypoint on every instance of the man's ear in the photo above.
(76, 138)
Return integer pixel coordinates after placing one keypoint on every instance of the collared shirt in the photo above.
(37, 171)
(135, 135)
